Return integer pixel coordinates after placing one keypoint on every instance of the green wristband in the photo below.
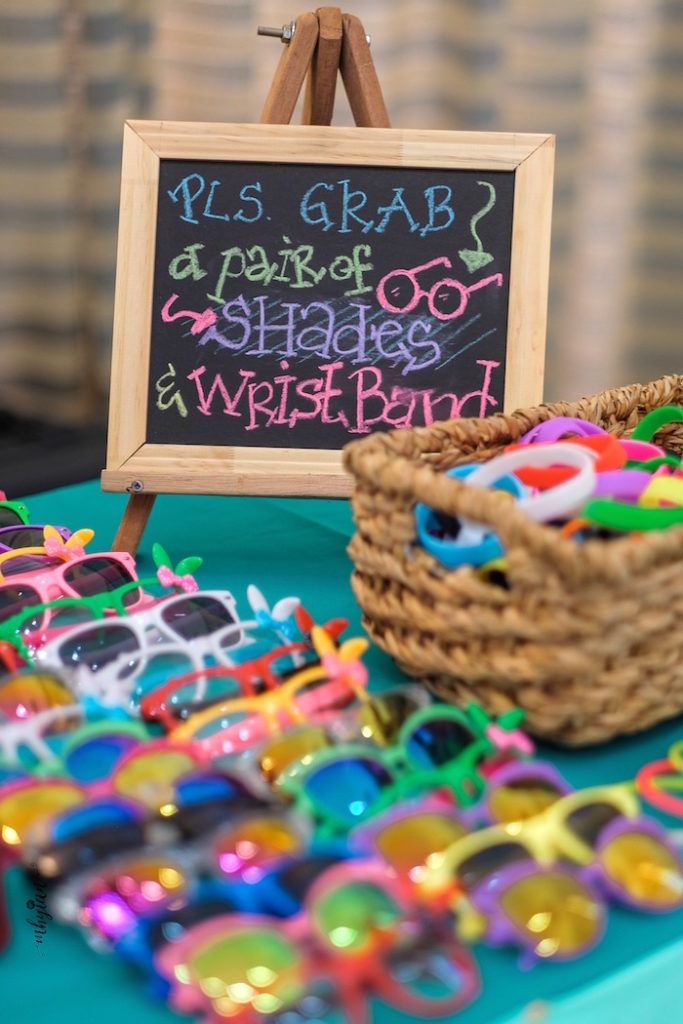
(655, 420)
(619, 515)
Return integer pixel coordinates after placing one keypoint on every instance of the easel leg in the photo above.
(360, 78)
(133, 523)
(322, 79)
(291, 71)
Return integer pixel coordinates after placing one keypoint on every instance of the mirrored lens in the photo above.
(415, 844)
(26, 809)
(145, 884)
(94, 759)
(252, 966)
(99, 646)
(149, 776)
(252, 846)
(348, 788)
(100, 575)
(351, 916)
(14, 598)
(437, 741)
(644, 868)
(194, 616)
(521, 798)
(27, 694)
(554, 912)
(293, 747)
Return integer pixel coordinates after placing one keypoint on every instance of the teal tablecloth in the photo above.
(298, 546)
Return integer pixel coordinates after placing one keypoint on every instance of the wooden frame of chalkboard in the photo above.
(152, 446)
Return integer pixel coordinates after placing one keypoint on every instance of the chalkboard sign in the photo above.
(282, 290)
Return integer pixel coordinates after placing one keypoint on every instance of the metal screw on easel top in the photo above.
(285, 33)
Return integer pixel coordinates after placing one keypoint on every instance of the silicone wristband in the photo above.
(655, 420)
(627, 484)
(558, 427)
(662, 488)
(559, 502)
(475, 544)
(656, 464)
(676, 755)
(650, 791)
(609, 454)
(639, 451)
(618, 515)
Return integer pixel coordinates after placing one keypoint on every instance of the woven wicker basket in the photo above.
(589, 637)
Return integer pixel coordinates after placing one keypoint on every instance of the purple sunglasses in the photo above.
(26, 536)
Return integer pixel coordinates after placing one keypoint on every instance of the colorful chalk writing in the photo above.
(301, 306)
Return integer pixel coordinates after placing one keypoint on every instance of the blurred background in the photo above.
(606, 76)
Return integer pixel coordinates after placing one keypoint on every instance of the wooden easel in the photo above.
(318, 45)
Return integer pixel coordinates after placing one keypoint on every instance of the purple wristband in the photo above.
(627, 484)
(560, 426)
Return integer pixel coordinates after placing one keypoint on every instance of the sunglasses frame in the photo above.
(358, 972)
(348, 677)
(63, 531)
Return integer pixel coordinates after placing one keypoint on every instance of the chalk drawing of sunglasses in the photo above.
(399, 292)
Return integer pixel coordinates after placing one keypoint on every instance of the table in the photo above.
(298, 546)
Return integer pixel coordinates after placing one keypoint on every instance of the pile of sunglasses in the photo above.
(573, 475)
(221, 800)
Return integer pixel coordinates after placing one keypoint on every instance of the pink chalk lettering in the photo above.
(260, 405)
(329, 392)
(200, 320)
(230, 402)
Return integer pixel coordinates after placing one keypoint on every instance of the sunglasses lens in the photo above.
(21, 536)
(347, 789)
(33, 808)
(487, 862)
(296, 879)
(252, 966)
(143, 885)
(291, 748)
(437, 742)
(644, 868)
(8, 517)
(430, 970)
(99, 646)
(200, 693)
(100, 575)
(171, 926)
(381, 718)
(588, 822)
(350, 916)
(554, 912)
(23, 696)
(249, 848)
(28, 563)
(521, 798)
(160, 666)
(14, 598)
(414, 844)
(149, 777)
(94, 759)
(192, 617)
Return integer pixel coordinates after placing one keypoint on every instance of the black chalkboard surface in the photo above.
(299, 306)
(282, 290)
